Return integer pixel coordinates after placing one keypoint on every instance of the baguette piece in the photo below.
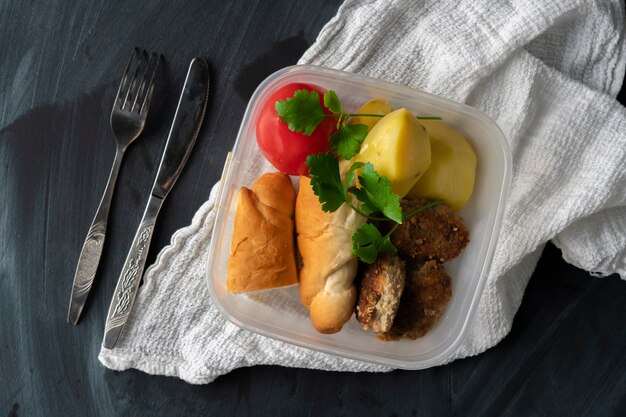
(328, 265)
(262, 248)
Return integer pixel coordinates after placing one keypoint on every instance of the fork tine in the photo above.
(142, 83)
(133, 82)
(145, 105)
(123, 82)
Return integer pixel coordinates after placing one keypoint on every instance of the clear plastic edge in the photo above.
(441, 357)
(493, 242)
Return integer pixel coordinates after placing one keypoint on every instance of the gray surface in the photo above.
(60, 66)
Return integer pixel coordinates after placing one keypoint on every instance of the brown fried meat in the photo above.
(425, 296)
(380, 292)
(436, 233)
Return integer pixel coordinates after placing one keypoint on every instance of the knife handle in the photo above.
(130, 277)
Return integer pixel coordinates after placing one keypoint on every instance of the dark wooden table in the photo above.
(60, 63)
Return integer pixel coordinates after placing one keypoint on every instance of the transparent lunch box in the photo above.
(278, 313)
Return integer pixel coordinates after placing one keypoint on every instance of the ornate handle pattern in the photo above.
(92, 248)
(128, 282)
(88, 262)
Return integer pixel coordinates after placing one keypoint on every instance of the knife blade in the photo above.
(181, 138)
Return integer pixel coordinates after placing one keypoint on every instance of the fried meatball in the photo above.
(424, 299)
(436, 233)
(380, 292)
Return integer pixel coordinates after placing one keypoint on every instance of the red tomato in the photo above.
(287, 150)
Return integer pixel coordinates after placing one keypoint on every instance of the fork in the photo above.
(128, 119)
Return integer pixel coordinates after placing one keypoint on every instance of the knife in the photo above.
(183, 133)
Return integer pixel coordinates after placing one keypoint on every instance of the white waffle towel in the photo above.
(547, 72)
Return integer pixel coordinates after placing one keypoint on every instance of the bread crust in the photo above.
(262, 253)
(328, 265)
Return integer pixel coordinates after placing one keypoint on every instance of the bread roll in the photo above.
(329, 267)
(262, 247)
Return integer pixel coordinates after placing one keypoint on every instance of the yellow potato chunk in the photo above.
(399, 149)
(375, 106)
(452, 172)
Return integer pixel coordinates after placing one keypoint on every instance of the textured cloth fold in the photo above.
(547, 72)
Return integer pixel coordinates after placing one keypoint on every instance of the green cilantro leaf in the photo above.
(351, 175)
(376, 194)
(332, 102)
(302, 112)
(368, 242)
(326, 180)
(347, 140)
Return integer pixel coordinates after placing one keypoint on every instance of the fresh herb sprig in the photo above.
(368, 242)
(303, 113)
(377, 200)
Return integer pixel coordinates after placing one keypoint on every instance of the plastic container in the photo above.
(278, 313)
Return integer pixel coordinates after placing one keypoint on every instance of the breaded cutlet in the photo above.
(437, 233)
(379, 294)
(426, 294)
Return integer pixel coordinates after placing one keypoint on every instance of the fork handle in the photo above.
(92, 247)
(130, 277)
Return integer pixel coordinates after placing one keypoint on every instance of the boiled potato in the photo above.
(452, 171)
(375, 106)
(399, 149)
